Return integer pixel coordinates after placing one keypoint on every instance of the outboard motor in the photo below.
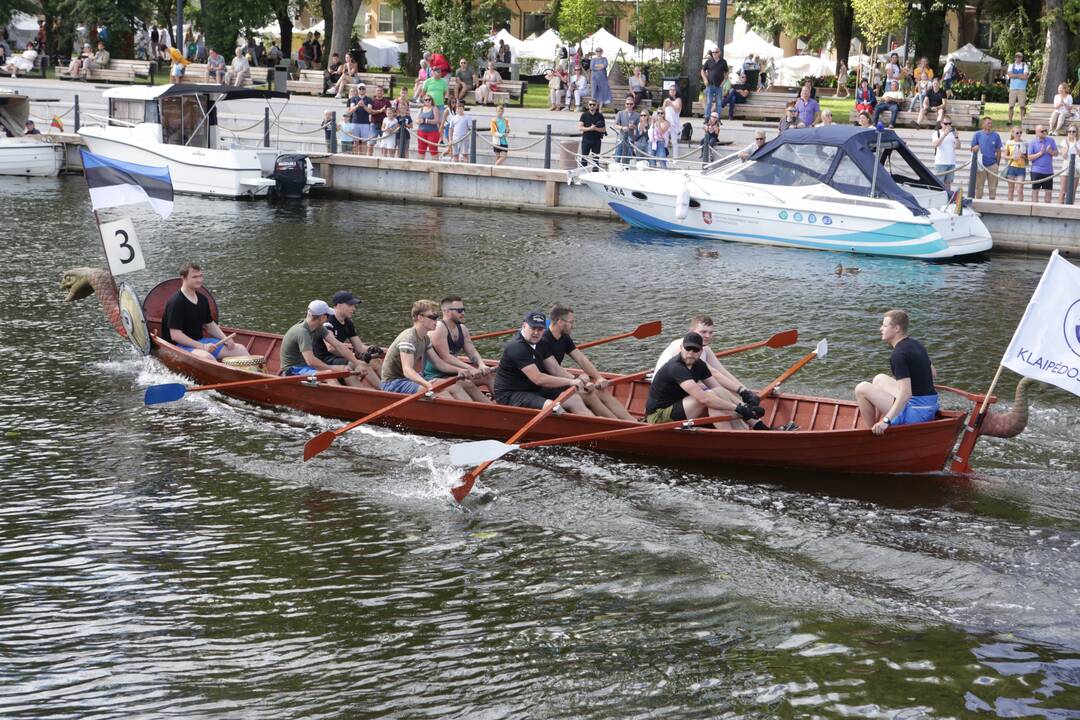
(290, 176)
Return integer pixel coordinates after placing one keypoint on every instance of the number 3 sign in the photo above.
(122, 247)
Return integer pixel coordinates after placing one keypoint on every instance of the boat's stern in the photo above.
(964, 234)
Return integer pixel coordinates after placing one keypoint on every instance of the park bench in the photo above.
(121, 71)
(508, 90)
(761, 105)
(619, 93)
(374, 80)
(1039, 114)
(965, 114)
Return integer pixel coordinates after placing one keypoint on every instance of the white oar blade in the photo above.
(822, 349)
(481, 451)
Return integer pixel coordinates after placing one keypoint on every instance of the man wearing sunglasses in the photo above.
(946, 142)
(405, 356)
(592, 127)
(449, 342)
(759, 141)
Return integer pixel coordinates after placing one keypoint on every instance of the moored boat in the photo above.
(22, 154)
(837, 188)
(828, 437)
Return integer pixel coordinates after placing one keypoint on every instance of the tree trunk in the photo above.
(414, 16)
(285, 27)
(1055, 69)
(693, 45)
(344, 16)
(327, 7)
(843, 22)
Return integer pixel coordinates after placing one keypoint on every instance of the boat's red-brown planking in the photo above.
(828, 439)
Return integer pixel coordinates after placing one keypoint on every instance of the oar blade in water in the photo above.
(479, 452)
(783, 339)
(317, 444)
(166, 392)
(822, 349)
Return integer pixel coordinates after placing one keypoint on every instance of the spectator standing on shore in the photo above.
(948, 77)
(500, 135)
(1069, 149)
(592, 127)
(892, 71)
(945, 142)
(377, 107)
(405, 121)
(826, 118)
(1041, 153)
(986, 147)
(659, 132)
(428, 129)
(601, 91)
(672, 112)
(841, 81)
(387, 143)
(435, 87)
(316, 49)
(421, 78)
(191, 48)
(626, 124)
(179, 64)
(1016, 157)
(555, 87)
(710, 138)
(1063, 109)
(459, 134)
(1017, 75)
(713, 73)
(642, 142)
(790, 119)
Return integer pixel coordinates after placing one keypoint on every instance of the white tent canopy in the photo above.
(21, 30)
(545, 47)
(610, 44)
(792, 70)
(381, 52)
(971, 54)
(750, 44)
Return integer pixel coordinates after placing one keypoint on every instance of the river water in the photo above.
(181, 560)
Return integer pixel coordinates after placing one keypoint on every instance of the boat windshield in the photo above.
(184, 121)
(791, 165)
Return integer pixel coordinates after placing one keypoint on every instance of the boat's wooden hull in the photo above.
(828, 439)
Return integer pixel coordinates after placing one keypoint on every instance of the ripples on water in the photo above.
(180, 559)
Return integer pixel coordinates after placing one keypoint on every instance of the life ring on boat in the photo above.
(682, 203)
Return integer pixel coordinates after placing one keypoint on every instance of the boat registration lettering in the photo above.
(615, 190)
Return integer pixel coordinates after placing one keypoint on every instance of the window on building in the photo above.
(712, 27)
(535, 24)
(391, 19)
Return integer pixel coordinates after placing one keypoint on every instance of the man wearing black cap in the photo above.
(676, 393)
(521, 381)
(339, 323)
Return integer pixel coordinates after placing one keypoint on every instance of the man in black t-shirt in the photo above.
(556, 344)
(933, 101)
(520, 380)
(676, 392)
(909, 395)
(592, 126)
(713, 72)
(363, 357)
(188, 323)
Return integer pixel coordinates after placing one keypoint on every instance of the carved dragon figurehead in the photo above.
(1011, 423)
(82, 282)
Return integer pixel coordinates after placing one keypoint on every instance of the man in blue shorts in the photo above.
(189, 324)
(909, 395)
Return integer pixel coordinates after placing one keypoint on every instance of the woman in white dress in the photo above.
(1063, 108)
(1068, 149)
(672, 110)
(22, 63)
(578, 86)
(489, 85)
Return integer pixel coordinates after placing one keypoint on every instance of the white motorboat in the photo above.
(838, 188)
(176, 126)
(22, 154)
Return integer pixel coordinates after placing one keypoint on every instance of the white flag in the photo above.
(1046, 344)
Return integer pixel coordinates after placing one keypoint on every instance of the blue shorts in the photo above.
(1015, 172)
(400, 385)
(920, 408)
(299, 370)
(205, 341)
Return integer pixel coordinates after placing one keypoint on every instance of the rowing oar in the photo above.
(222, 341)
(487, 451)
(323, 440)
(820, 351)
(779, 340)
(168, 392)
(460, 491)
(645, 330)
(493, 333)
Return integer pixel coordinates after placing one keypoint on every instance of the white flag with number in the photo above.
(122, 246)
(1046, 344)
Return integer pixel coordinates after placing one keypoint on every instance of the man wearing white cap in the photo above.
(298, 345)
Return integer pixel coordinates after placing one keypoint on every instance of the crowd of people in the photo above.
(687, 380)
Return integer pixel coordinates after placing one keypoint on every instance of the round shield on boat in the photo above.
(250, 363)
(131, 315)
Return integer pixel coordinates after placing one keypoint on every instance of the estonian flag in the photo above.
(114, 182)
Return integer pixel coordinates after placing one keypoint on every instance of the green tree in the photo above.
(659, 23)
(10, 7)
(453, 29)
(818, 22)
(578, 19)
(876, 19)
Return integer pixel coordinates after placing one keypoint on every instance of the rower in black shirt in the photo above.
(556, 344)
(361, 357)
(676, 392)
(519, 379)
(188, 323)
(909, 395)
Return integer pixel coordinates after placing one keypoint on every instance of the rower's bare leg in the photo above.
(594, 403)
(874, 398)
(576, 405)
(237, 350)
(694, 409)
(472, 391)
(616, 408)
(457, 392)
(203, 355)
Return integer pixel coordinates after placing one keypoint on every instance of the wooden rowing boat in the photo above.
(828, 439)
